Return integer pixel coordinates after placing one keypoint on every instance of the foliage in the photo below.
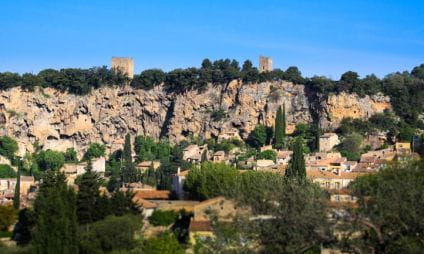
(267, 155)
(17, 194)
(258, 136)
(297, 168)
(163, 218)
(112, 233)
(129, 172)
(95, 150)
(351, 146)
(88, 196)
(8, 147)
(148, 79)
(50, 160)
(6, 171)
(147, 149)
(122, 203)
(163, 244)
(210, 180)
(22, 232)
(218, 115)
(70, 155)
(56, 216)
(280, 128)
(391, 211)
(7, 217)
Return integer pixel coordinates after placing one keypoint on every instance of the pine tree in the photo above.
(280, 128)
(17, 197)
(297, 169)
(88, 195)
(55, 213)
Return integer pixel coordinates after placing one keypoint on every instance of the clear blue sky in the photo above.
(320, 37)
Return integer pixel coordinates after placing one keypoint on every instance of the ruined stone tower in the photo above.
(265, 63)
(124, 64)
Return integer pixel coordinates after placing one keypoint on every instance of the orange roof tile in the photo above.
(316, 173)
(152, 194)
(200, 226)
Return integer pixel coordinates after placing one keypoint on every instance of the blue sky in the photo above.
(320, 37)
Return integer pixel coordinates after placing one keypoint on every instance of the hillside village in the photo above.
(184, 192)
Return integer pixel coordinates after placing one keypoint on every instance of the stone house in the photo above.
(146, 165)
(219, 156)
(229, 135)
(284, 157)
(73, 170)
(193, 153)
(403, 147)
(328, 141)
(265, 164)
(331, 180)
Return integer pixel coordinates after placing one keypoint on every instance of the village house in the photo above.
(200, 224)
(229, 135)
(328, 141)
(219, 156)
(266, 148)
(7, 189)
(284, 157)
(152, 194)
(403, 148)
(193, 153)
(331, 180)
(265, 164)
(73, 170)
(375, 141)
(146, 165)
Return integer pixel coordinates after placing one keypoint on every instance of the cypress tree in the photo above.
(88, 195)
(17, 197)
(280, 128)
(317, 135)
(297, 169)
(55, 213)
(129, 173)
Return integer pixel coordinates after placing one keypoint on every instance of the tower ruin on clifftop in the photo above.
(124, 64)
(265, 63)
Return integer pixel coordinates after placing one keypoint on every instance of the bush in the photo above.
(50, 160)
(163, 218)
(163, 244)
(95, 150)
(6, 171)
(112, 233)
(218, 115)
(268, 155)
(7, 217)
(8, 147)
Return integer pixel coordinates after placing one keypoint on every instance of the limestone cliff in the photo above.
(60, 120)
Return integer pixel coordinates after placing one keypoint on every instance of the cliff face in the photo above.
(60, 120)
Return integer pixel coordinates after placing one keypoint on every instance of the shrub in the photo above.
(8, 147)
(95, 150)
(6, 171)
(163, 218)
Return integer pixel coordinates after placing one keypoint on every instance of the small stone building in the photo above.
(328, 141)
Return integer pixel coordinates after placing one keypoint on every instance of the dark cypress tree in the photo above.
(280, 128)
(129, 173)
(296, 169)
(88, 195)
(317, 135)
(17, 197)
(55, 213)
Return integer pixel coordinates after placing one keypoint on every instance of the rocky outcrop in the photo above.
(61, 120)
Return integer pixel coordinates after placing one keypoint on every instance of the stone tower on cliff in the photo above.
(265, 63)
(124, 64)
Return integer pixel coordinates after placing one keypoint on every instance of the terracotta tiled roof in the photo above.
(144, 203)
(200, 226)
(343, 204)
(316, 173)
(152, 194)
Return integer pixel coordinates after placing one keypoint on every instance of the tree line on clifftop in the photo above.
(405, 89)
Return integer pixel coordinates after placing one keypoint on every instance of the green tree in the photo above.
(70, 155)
(293, 74)
(7, 217)
(110, 234)
(297, 168)
(163, 244)
(6, 171)
(258, 136)
(351, 146)
(22, 232)
(8, 147)
(163, 218)
(211, 180)
(88, 195)
(280, 128)
(268, 155)
(50, 160)
(390, 215)
(129, 173)
(17, 197)
(95, 150)
(56, 216)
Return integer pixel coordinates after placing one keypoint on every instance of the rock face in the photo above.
(60, 120)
